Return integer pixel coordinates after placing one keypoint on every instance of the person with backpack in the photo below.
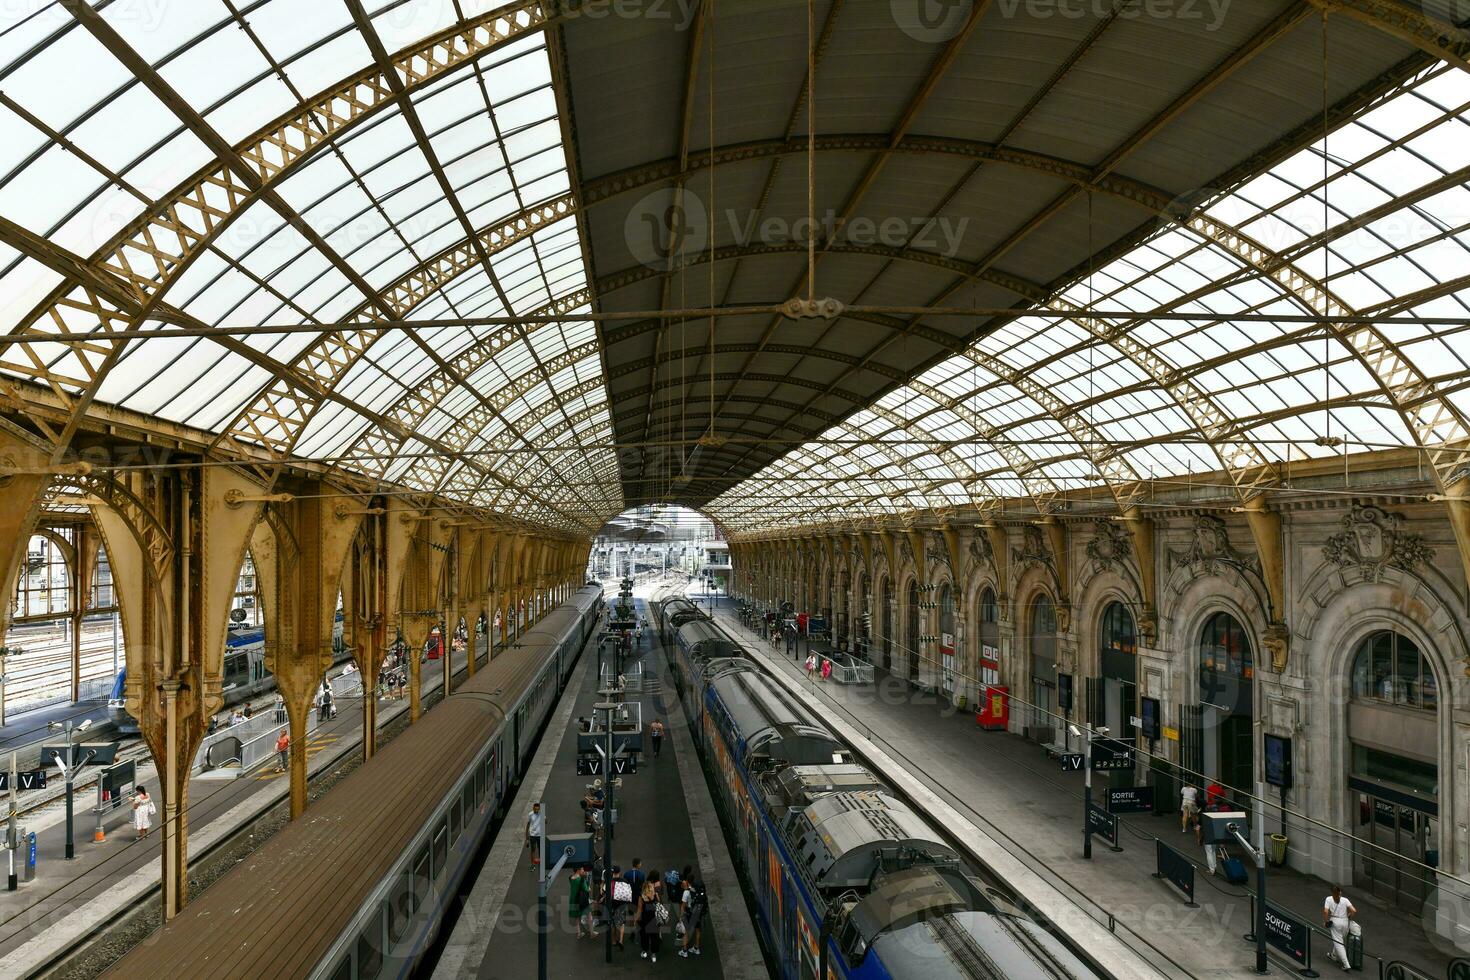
(694, 906)
(652, 916)
(673, 885)
(621, 901)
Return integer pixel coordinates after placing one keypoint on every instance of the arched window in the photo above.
(1389, 667)
(1043, 616)
(1117, 632)
(946, 610)
(989, 611)
(1225, 649)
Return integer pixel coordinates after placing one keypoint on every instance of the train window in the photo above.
(441, 850)
(370, 948)
(344, 969)
(479, 785)
(422, 877)
(455, 820)
(400, 908)
(468, 799)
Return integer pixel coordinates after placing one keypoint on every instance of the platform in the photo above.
(1008, 785)
(667, 819)
(107, 878)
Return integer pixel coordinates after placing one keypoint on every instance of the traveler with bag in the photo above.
(1337, 916)
(695, 905)
(652, 915)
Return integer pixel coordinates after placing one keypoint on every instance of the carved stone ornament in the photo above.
(1033, 551)
(1210, 547)
(936, 550)
(1374, 540)
(1275, 640)
(1109, 546)
(906, 550)
(980, 551)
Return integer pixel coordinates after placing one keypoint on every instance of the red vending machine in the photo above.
(993, 713)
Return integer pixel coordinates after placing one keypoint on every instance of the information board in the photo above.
(1131, 799)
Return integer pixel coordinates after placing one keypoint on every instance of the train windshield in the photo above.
(119, 685)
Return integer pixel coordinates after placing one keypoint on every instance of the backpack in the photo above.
(671, 881)
(699, 901)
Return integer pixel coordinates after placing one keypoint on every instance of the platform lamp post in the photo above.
(69, 769)
(1087, 784)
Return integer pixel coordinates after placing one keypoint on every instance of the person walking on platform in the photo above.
(143, 810)
(283, 751)
(651, 916)
(1337, 916)
(619, 905)
(579, 901)
(656, 735)
(535, 827)
(694, 906)
(1188, 807)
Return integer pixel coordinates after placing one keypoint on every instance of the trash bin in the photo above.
(1277, 851)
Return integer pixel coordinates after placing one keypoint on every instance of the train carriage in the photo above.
(848, 880)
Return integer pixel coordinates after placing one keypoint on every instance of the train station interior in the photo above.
(999, 418)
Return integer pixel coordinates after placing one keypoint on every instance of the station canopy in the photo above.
(418, 244)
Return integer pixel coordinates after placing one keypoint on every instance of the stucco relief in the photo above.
(1375, 540)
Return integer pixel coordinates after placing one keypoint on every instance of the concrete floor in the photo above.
(666, 818)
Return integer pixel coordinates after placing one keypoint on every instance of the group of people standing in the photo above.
(651, 903)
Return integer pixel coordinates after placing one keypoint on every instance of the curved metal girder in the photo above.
(152, 252)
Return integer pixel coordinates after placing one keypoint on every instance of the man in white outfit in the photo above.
(1337, 913)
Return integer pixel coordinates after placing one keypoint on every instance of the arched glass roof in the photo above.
(283, 183)
(1375, 220)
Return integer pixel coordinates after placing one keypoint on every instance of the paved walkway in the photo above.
(1009, 786)
(91, 885)
(667, 819)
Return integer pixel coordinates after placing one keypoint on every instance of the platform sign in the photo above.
(1072, 761)
(27, 780)
(1110, 753)
(593, 765)
(1289, 935)
(1131, 799)
(1102, 824)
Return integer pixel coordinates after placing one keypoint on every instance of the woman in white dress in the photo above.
(143, 810)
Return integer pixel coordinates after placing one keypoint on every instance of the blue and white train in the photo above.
(245, 673)
(848, 880)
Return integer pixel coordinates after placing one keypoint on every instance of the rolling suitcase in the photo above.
(1234, 870)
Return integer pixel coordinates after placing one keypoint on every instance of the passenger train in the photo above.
(245, 673)
(371, 869)
(849, 881)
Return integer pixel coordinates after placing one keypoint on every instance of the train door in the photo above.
(789, 933)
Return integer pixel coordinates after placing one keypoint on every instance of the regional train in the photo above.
(358, 887)
(245, 673)
(848, 880)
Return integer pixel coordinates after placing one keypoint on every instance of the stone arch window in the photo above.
(1389, 667)
(1041, 620)
(1115, 700)
(989, 608)
(1117, 631)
